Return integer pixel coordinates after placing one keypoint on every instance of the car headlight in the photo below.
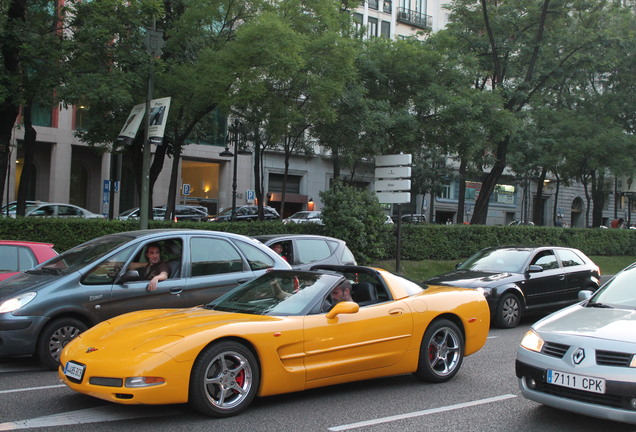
(484, 291)
(532, 341)
(633, 362)
(15, 303)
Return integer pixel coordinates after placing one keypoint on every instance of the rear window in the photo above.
(569, 258)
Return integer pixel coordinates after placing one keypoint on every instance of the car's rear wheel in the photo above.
(55, 336)
(224, 379)
(508, 312)
(441, 352)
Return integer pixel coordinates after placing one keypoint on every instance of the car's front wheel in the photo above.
(224, 379)
(508, 312)
(441, 352)
(55, 336)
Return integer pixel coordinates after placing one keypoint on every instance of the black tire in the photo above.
(508, 312)
(55, 336)
(224, 379)
(441, 352)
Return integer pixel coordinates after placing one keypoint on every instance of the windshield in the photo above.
(497, 260)
(277, 293)
(620, 292)
(84, 254)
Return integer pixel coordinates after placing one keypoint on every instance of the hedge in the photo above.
(427, 241)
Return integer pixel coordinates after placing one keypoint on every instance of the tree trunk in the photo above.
(537, 208)
(30, 135)
(172, 189)
(461, 199)
(598, 200)
(480, 214)
(9, 107)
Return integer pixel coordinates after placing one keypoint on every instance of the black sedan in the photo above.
(517, 280)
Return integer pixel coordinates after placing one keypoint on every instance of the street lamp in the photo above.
(234, 138)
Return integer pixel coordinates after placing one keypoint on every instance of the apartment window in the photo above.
(385, 29)
(374, 4)
(81, 117)
(41, 115)
(357, 21)
(276, 183)
(448, 191)
(372, 28)
(387, 6)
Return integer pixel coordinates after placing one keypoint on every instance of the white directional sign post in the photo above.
(393, 186)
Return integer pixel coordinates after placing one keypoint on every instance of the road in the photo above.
(484, 396)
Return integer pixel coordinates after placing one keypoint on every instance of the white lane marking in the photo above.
(420, 413)
(89, 415)
(32, 388)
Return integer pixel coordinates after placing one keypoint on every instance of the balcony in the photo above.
(414, 18)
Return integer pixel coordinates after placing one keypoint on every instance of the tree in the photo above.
(32, 48)
(296, 62)
(524, 48)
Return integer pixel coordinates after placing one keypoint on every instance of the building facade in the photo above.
(66, 170)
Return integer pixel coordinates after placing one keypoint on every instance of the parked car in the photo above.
(304, 217)
(11, 208)
(59, 210)
(42, 309)
(135, 214)
(517, 223)
(303, 251)
(582, 358)
(413, 218)
(245, 214)
(17, 256)
(189, 212)
(518, 280)
(277, 334)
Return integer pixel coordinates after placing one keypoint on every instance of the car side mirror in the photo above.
(130, 276)
(346, 307)
(535, 268)
(584, 295)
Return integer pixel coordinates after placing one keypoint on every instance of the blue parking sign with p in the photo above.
(185, 189)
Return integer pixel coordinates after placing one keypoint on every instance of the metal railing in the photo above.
(414, 18)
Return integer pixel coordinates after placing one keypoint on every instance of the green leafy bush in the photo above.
(355, 216)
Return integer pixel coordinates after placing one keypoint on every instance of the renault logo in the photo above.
(578, 356)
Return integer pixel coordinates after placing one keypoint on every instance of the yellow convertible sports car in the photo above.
(285, 331)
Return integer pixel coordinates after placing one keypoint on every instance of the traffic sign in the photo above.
(394, 197)
(393, 160)
(393, 172)
(185, 189)
(393, 185)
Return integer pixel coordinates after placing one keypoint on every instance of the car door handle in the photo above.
(561, 277)
(176, 290)
(396, 312)
(240, 281)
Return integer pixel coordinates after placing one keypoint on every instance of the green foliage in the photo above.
(355, 216)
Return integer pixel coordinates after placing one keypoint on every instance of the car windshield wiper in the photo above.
(598, 305)
(45, 270)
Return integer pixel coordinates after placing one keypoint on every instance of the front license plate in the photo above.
(579, 382)
(74, 370)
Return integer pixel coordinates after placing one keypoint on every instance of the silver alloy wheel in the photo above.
(444, 352)
(510, 311)
(228, 380)
(60, 338)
